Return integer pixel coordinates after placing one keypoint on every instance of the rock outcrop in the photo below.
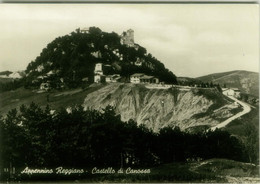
(158, 108)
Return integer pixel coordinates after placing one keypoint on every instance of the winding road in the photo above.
(246, 109)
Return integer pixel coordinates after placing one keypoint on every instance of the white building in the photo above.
(100, 73)
(235, 92)
(113, 78)
(142, 78)
(135, 78)
(98, 69)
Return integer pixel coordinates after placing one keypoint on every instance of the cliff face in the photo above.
(157, 108)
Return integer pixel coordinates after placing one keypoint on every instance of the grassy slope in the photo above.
(234, 79)
(238, 126)
(216, 76)
(218, 99)
(207, 171)
(14, 99)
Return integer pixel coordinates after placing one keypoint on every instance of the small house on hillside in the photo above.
(104, 73)
(98, 69)
(135, 78)
(113, 78)
(235, 92)
(142, 78)
(102, 69)
(99, 76)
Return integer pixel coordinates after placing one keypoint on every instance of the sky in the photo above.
(191, 40)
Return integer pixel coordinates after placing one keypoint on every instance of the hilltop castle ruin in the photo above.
(127, 38)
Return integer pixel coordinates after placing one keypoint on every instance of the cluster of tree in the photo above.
(73, 57)
(249, 98)
(251, 142)
(77, 138)
(5, 73)
(246, 129)
(11, 85)
(198, 83)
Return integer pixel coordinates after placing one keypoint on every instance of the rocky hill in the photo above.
(69, 59)
(247, 82)
(157, 108)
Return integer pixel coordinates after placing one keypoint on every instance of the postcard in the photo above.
(129, 92)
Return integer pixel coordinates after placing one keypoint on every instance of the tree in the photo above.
(172, 149)
(252, 143)
(219, 88)
(79, 137)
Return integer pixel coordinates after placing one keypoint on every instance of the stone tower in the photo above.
(127, 38)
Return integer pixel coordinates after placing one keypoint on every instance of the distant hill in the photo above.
(8, 76)
(246, 81)
(5, 73)
(69, 59)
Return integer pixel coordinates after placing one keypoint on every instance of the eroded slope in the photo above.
(157, 108)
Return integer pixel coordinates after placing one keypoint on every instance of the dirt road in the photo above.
(246, 109)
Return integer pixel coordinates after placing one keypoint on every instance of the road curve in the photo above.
(246, 109)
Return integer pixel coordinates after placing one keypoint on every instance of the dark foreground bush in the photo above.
(74, 138)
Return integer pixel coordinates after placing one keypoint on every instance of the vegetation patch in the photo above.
(228, 167)
(79, 138)
(246, 128)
